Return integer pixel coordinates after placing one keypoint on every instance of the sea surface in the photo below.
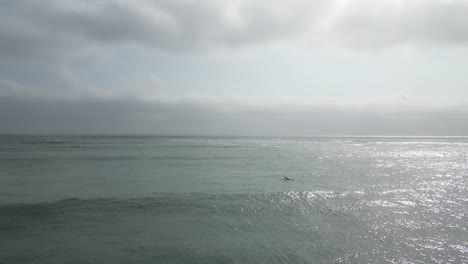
(154, 199)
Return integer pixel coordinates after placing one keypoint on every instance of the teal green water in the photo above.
(104, 199)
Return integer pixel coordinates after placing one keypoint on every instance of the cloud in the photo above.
(230, 116)
(142, 103)
(43, 41)
(57, 29)
(71, 28)
(382, 24)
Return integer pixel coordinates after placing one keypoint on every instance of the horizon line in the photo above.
(231, 135)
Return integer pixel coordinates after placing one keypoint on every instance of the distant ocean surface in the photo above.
(145, 199)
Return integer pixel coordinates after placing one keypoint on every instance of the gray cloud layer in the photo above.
(60, 28)
(49, 35)
(130, 116)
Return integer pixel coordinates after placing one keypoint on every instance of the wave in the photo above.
(279, 227)
(45, 141)
(226, 204)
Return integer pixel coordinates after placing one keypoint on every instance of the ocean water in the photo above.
(129, 199)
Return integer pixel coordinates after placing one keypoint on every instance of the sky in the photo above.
(234, 67)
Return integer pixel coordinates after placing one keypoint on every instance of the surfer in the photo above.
(287, 179)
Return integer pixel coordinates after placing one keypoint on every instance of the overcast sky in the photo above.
(234, 67)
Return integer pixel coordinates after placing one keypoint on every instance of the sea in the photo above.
(204, 199)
